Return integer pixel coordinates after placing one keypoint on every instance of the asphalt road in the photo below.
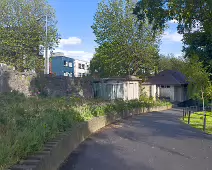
(154, 141)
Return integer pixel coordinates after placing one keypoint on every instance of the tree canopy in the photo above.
(124, 46)
(198, 78)
(194, 22)
(22, 30)
(170, 62)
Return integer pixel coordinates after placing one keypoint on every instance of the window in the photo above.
(165, 86)
(65, 74)
(70, 74)
(65, 63)
(83, 74)
(80, 75)
(83, 66)
(79, 66)
(70, 64)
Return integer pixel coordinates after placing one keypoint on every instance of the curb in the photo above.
(57, 150)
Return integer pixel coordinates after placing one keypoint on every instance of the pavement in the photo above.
(153, 141)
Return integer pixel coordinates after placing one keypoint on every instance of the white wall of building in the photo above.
(174, 93)
(81, 68)
(167, 91)
(131, 90)
(150, 91)
(116, 89)
(179, 94)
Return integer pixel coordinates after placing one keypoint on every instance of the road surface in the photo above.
(154, 141)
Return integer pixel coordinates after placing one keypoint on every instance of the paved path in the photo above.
(155, 141)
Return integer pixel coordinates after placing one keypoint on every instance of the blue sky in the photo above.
(75, 18)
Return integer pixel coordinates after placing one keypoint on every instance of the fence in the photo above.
(188, 111)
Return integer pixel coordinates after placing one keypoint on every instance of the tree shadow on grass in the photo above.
(167, 124)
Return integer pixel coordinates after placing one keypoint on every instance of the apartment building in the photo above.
(62, 66)
(81, 68)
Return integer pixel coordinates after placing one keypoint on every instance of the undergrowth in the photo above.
(27, 123)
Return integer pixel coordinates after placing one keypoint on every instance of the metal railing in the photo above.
(188, 111)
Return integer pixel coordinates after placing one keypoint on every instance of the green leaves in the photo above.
(22, 30)
(194, 22)
(125, 45)
(197, 76)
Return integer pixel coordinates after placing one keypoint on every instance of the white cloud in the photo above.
(173, 37)
(178, 54)
(70, 41)
(173, 21)
(64, 46)
(81, 55)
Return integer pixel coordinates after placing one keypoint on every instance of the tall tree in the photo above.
(199, 81)
(125, 47)
(194, 22)
(170, 62)
(22, 30)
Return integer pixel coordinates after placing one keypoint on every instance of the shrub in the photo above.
(27, 123)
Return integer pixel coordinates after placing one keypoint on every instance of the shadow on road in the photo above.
(92, 155)
(113, 145)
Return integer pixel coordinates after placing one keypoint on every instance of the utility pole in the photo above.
(46, 62)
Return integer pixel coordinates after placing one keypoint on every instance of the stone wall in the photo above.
(31, 84)
(62, 86)
(12, 80)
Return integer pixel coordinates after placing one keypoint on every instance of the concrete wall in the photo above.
(117, 89)
(132, 90)
(179, 94)
(56, 151)
(168, 92)
(150, 91)
(175, 93)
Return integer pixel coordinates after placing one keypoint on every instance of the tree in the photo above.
(22, 30)
(194, 22)
(170, 62)
(198, 78)
(125, 47)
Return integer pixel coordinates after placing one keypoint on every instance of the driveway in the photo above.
(153, 141)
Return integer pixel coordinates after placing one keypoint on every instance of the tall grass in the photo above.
(27, 123)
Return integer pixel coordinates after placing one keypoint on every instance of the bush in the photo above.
(27, 123)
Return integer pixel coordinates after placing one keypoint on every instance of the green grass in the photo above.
(197, 120)
(27, 123)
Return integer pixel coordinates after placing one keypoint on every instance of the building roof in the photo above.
(168, 77)
(60, 54)
(127, 78)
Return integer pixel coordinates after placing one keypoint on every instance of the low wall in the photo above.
(56, 151)
(30, 84)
